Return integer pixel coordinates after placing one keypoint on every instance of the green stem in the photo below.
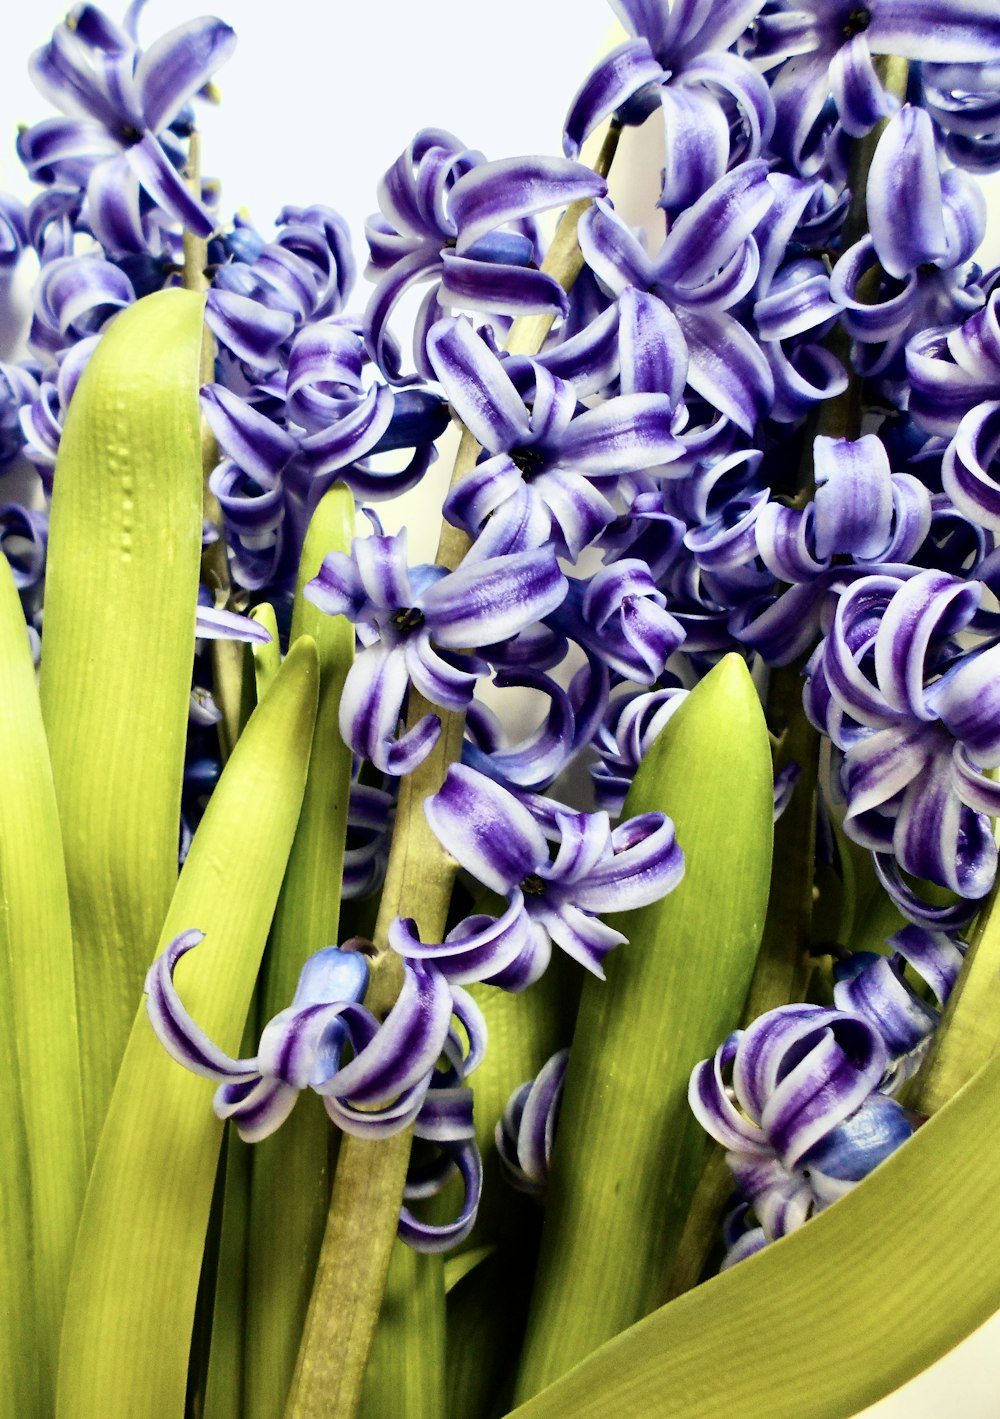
(368, 1186)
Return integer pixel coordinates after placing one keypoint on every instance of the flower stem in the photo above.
(368, 1186)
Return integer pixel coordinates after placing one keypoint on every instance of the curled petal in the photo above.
(486, 829)
(512, 188)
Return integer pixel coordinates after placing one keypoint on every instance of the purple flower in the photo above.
(448, 214)
(415, 625)
(916, 721)
(391, 1081)
(494, 836)
(831, 45)
(802, 1119)
(526, 1131)
(120, 104)
(550, 465)
(716, 108)
(708, 262)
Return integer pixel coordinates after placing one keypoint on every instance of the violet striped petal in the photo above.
(177, 65)
(857, 91)
(496, 286)
(480, 948)
(486, 829)
(370, 709)
(844, 1065)
(904, 194)
(384, 571)
(215, 623)
(926, 608)
(705, 237)
(260, 446)
(113, 207)
(578, 512)
(949, 31)
(614, 80)
(445, 680)
(183, 1040)
(967, 700)
(938, 839)
(712, 1105)
(167, 187)
(585, 938)
(441, 1236)
(420, 265)
(623, 435)
(611, 251)
(493, 600)
(727, 367)
(512, 188)
(477, 386)
(646, 865)
(969, 471)
(652, 348)
(257, 1106)
(879, 766)
(537, 1115)
(406, 1047)
(247, 328)
(697, 144)
(854, 502)
(356, 432)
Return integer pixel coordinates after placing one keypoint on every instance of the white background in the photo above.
(317, 101)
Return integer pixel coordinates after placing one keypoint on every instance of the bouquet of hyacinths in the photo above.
(723, 510)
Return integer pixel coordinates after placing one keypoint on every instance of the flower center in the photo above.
(528, 460)
(857, 22)
(533, 885)
(407, 618)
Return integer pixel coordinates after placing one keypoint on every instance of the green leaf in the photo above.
(405, 1374)
(290, 1179)
(830, 1319)
(120, 595)
(139, 1253)
(628, 1152)
(44, 1154)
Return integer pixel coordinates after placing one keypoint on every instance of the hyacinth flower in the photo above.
(448, 215)
(795, 1101)
(876, 987)
(915, 720)
(924, 225)
(717, 110)
(496, 838)
(414, 625)
(525, 1133)
(862, 511)
(120, 103)
(964, 101)
(390, 1082)
(707, 263)
(549, 467)
(832, 47)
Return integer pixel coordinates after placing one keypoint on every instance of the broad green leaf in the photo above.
(227, 1336)
(628, 1152)
(138, 1256)
(120, 596)
(290, 1181)
(42, 1105)
(830, 1319)
(405, 1375)
(969, 1033)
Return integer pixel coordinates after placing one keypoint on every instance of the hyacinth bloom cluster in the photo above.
(767, 423)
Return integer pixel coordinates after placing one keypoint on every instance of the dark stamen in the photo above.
(408, 618)
(528, 460)
(533, 885)
(857, 22)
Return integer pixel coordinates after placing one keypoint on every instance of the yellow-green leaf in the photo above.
(120, 596)
(39, 1040)
(628, 1153)
(138, 1257)
(290, 1181)
(830, 1319)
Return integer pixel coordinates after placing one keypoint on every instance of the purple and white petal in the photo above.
(486, 829)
